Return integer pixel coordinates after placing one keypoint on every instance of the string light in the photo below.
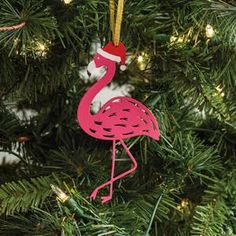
(184, 203)
(174, 39)
(16, 41)
(180, 40)
(41, 49)
(67, 1)
(71, 203)
(210, 32)
(62, 197)
(140, 59)
(220, 90)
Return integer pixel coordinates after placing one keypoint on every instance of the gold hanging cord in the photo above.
(116, 24)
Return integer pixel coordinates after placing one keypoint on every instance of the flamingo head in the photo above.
(108, 56)
(98, 62)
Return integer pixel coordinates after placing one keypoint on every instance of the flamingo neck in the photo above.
(83, 112)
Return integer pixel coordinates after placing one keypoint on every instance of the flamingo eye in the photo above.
(98, 58)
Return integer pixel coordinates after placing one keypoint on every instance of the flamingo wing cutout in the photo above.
(123, 118)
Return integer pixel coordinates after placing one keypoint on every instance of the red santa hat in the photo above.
(115, 53)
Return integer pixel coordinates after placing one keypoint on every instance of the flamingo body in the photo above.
(123, 118)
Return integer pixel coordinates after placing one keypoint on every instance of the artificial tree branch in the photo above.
(5, 93)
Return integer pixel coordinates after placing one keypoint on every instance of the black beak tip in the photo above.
(89, 74)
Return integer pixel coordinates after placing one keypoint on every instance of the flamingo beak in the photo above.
(91, 67)
(93, 70)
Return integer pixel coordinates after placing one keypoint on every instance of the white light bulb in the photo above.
(41, 47)
(62, 197)
(173, 39)
(210, 32)
(220, 90)
(67, 1)
(140, 59)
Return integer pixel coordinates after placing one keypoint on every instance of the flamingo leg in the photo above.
(135, 165)
(113, 179)
(109, 197)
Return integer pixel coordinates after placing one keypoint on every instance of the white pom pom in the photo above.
(123, 67)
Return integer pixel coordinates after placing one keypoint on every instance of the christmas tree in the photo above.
(181, 64)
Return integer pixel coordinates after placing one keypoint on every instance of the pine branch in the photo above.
(219, 13)
(23, 195)
(145, 205)
(45, 223)
(9, 127)
(209, 219)
(227, 15)
(41, 223)
(223, 190)
(191, 157)
(220, 134)
(216, 213)
(40, 25)
(5, 93)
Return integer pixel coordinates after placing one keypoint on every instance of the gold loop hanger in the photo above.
(116, 23)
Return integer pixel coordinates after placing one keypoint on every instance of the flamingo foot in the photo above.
(94, 194)
(106, 199)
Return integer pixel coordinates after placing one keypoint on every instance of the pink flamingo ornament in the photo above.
(119, 119)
